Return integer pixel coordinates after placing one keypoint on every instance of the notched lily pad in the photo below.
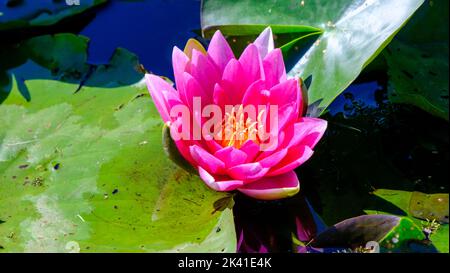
(114, 190)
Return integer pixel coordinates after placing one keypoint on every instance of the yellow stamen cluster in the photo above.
(237, 129)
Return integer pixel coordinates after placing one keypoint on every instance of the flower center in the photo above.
(238, 127)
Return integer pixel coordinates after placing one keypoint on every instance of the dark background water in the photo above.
(150, 29)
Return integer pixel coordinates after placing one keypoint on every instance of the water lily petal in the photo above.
(221, 185)
(252, 64)
(307, 131)
(248, 171)
(191, 45)
(219, 50)
(231, 156)
(192, 89)
(180, 63)
(264, 42)
(157, 86)
(271, 149)
(206, 160)
(285, 118)
(212, 144)
(295, 157)
(272, 188)
(312, 129)
(274, 69)
(286, 115)
(233, 83)
(172, 98)
(205, 72)
(256, 94)
(220, 97)
(285, 93)
(251, 149)
(272, 159)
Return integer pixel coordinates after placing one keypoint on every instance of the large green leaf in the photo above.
(354, 33)
(419, 76)
(86, 171)
(23, 14)
(287, 37)
(418, 60)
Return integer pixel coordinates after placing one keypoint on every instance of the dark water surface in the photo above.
(149, 29)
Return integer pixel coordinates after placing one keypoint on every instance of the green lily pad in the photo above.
(440, 238)
(354, 33)
(428, 25)
(420, 206)
(86, 172)
(429, 206)
(419, 76)
(417, 204)
(418, 61)
(26, 14)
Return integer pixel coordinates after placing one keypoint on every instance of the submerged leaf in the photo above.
(391, 232)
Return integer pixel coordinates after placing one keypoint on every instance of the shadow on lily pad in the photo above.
(64, 57)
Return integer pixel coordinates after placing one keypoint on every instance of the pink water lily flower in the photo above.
(257, 77)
